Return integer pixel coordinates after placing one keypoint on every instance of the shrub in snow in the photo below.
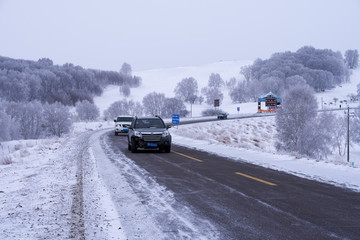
(211, 112)
(87, 111)
(5, 160)
(57, 119)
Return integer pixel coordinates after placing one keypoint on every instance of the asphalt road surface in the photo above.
(246, 201)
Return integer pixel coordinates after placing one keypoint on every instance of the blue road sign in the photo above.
(175, 119)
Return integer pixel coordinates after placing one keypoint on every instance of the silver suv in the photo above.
(147, 133)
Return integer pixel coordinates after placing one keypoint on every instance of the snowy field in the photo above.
(37, 175)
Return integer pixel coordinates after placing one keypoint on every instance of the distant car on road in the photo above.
(222, 115)
(149, 133)
(122, 124)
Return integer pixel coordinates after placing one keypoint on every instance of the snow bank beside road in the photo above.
(35, 199)
(252, 140)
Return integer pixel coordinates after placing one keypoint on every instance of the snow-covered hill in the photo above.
(165, 81)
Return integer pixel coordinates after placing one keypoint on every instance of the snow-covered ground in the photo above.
(38, 177)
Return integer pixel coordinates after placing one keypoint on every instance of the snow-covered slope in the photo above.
(165, 81)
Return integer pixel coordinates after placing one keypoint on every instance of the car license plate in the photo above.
(152, 145)
(126, 129)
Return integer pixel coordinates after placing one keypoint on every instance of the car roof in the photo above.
(151, 117)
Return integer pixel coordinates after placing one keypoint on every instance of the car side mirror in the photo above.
(168, 126)
(114, 120)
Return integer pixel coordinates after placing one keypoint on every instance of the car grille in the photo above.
(126, 125)
(152, 137)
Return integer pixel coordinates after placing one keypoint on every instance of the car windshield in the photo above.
(149, 123)
(124, 119)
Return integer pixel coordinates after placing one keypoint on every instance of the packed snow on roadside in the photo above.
(36, 186)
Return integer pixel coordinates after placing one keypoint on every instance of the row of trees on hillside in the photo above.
(25, 81)
(152, 104)
(320, 69)
(33, 120)
(187, 90)
(35, 96)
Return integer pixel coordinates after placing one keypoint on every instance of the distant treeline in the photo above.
(25, 81)
(321, 69)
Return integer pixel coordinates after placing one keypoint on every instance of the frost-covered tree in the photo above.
(355, 126)
(174, 106)
(187, 90)
(295, 118)
(135, 108)
(319, 138)
(231, 84)
(126, 69)
(272, 84)
(87, 111)
(246, 71)
(57, 119)
(5, 123)
(125, 90)
(117, 108)
(31, 121)
(154, 103)
(27, 118)
(212, 93)
(352, 58)
(215, 81)
(239, 93)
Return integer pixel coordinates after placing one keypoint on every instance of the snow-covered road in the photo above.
(79, 188)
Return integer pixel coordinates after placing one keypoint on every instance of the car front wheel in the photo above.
(133, 146)
(167, 149)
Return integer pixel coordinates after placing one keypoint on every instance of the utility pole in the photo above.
(348, 134)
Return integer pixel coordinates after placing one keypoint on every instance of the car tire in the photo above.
(129, 147)
(116, 133)
(167, 149)
(133, 146)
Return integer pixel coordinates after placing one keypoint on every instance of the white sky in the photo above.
(168, 33)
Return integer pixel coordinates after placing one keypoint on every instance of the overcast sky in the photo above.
(168, 33)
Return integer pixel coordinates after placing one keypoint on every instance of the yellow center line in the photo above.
(256, 179)
(187, 156)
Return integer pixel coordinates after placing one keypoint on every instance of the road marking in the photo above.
(256, 179)
(187, 156)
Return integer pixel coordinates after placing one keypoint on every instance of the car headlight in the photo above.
(137, 134)
(165, 133)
